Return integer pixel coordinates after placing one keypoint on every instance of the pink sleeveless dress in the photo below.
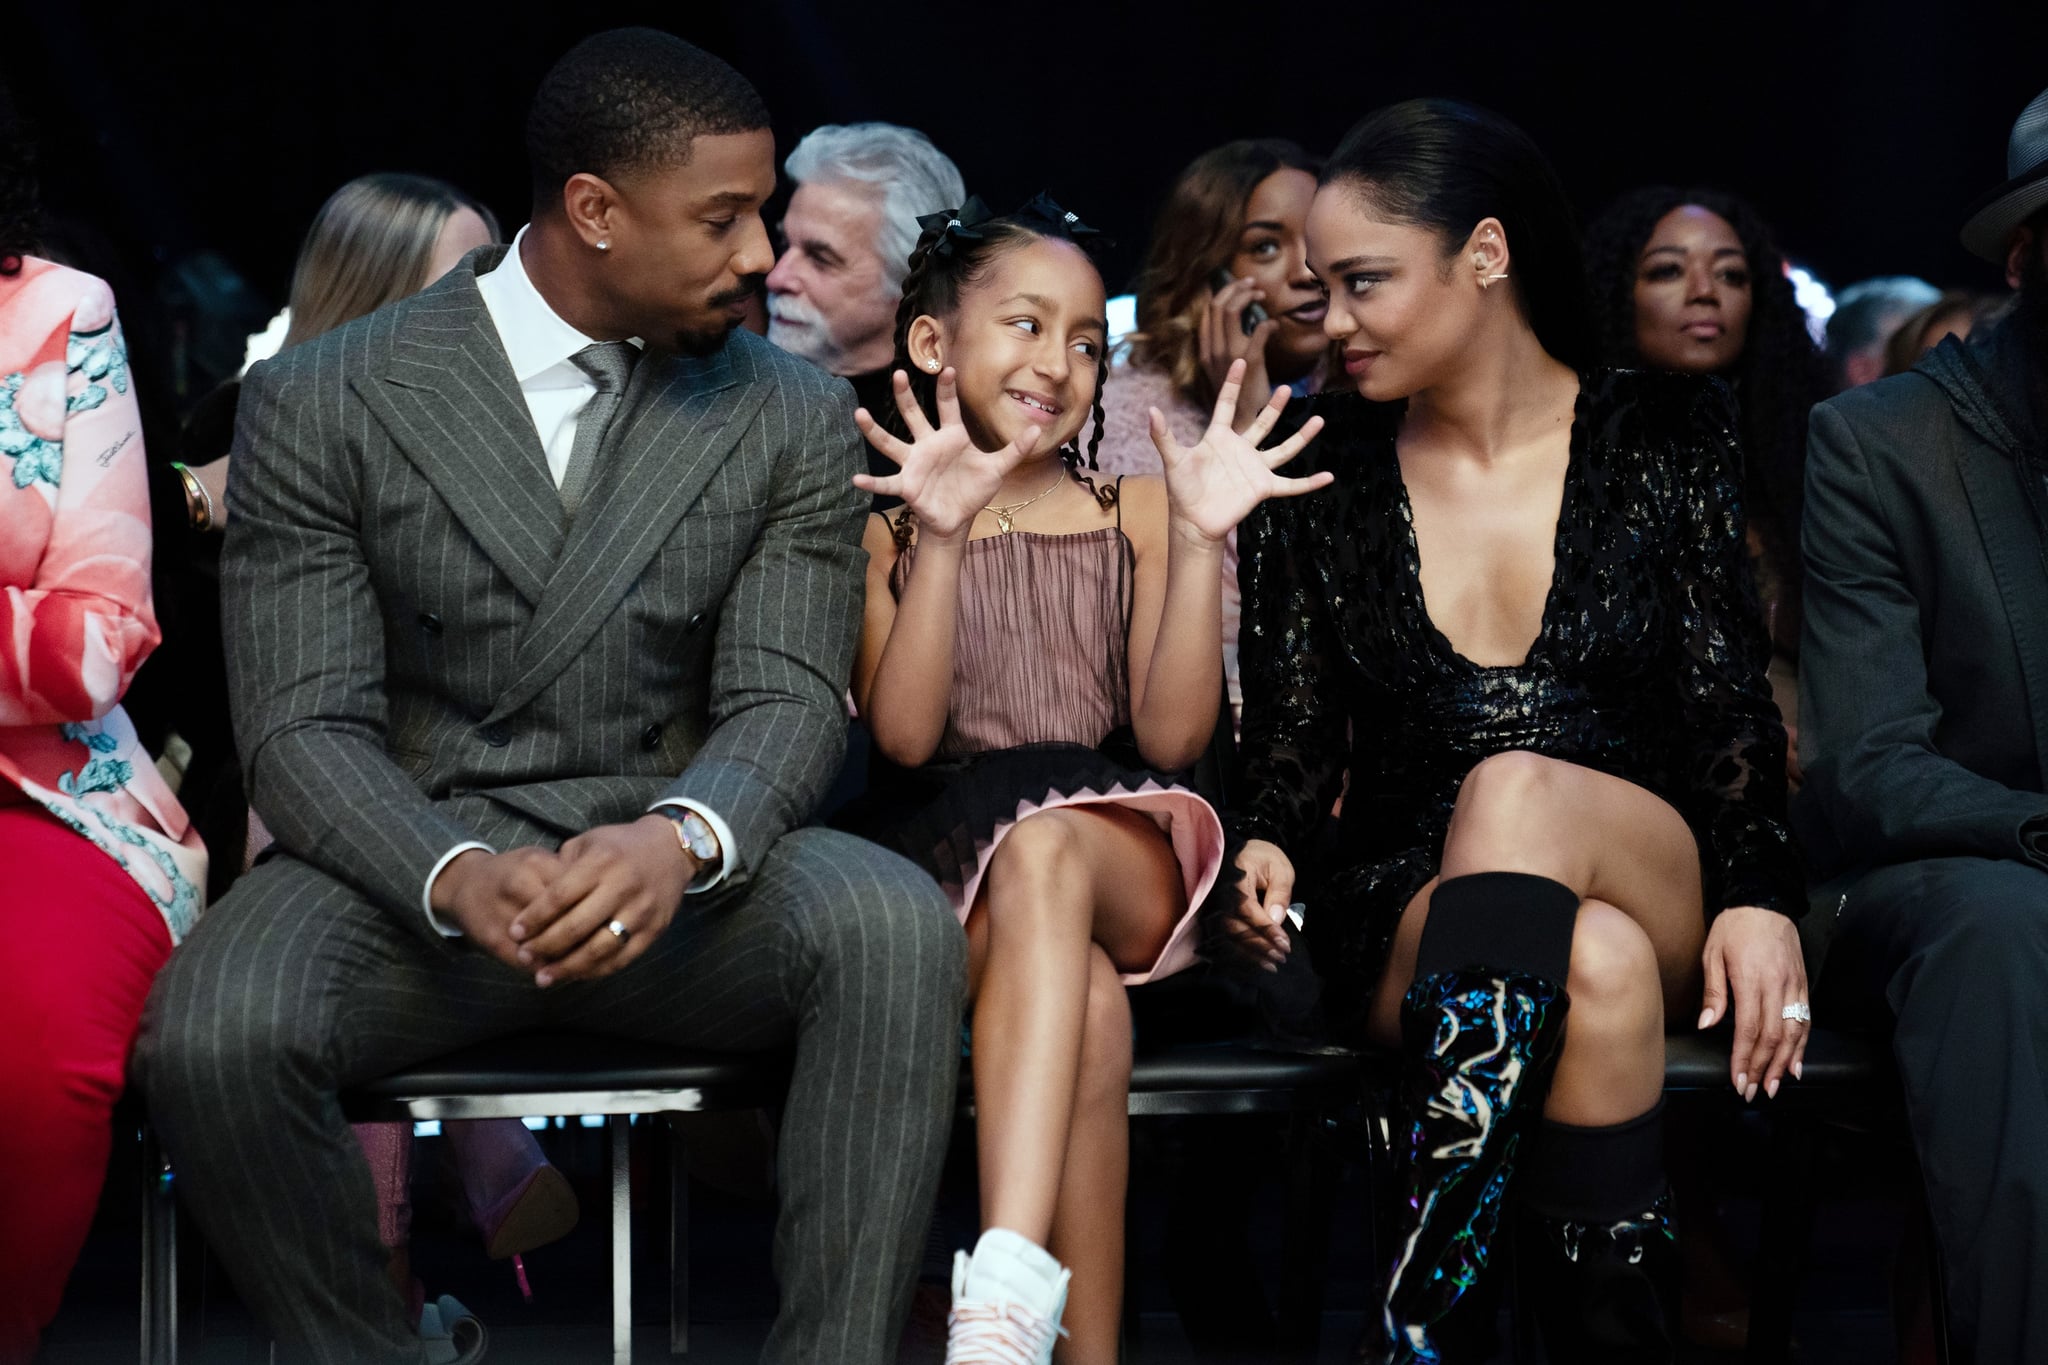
(1040, 719)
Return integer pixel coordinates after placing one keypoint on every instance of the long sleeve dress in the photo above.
(1650, 666)
(75, 610)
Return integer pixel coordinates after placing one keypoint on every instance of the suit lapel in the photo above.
(682, 417)
(449, 401)
(2012, 544)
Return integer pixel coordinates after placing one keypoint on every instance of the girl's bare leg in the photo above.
(1088, 1221)
(1072, 895)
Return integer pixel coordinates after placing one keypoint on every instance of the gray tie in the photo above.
(610, 364)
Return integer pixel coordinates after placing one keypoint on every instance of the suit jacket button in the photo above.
(650, 738)
(695, 621)
(430, 623)
(496, 734)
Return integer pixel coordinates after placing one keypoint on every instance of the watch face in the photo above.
(703, 844)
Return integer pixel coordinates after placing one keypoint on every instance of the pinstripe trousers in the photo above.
(293, 988)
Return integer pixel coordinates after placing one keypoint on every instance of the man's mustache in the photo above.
(746, 289)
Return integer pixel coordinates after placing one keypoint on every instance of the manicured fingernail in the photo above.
(1771, 1087)
(1741, 1080)
(518, 929)
(526, 954)
(544, 979)
(1798, 1071)
(1749, 1095)
(1272, 967)
(1706, 1018)
(1276, 913)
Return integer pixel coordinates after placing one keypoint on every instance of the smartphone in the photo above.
(1253, 314)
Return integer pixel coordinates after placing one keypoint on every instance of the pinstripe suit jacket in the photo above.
(423, 649)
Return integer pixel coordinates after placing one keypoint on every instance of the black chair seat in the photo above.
(1695, 1062)
(551, 1064)
(1237, 1078)
(1223, 1078)
(1210, 1078)
(1238, 1066)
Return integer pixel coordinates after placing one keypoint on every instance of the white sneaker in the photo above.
(1007, 1301)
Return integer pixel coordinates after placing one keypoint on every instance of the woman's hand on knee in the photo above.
(1256, 925)
(1754, 971)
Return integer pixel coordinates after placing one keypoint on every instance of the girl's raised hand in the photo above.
(1214, 484)
(941, 475)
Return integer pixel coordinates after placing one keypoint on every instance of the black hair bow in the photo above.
(1041, 214)
(1044, 212)
(957, 225)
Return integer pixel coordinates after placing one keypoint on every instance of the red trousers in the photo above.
(79, 945)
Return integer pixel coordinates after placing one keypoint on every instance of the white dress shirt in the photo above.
(539, 343)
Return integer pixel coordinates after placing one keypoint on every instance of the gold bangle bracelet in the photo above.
(198, 502)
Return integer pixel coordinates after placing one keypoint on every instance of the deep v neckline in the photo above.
(1440, 643)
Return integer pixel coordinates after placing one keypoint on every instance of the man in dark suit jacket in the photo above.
(1925, 709)
(541, 591)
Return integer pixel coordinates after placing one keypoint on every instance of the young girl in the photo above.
(1019, 616)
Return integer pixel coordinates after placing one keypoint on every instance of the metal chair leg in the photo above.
(622, 1239)
(1312, 1177)
(678, 1240)
(1786, 1240)
(159, 1255)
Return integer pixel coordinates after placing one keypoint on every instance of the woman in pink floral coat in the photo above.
(103, 874)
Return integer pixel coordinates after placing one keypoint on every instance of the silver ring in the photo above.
(619, 931)
(1797, 1012)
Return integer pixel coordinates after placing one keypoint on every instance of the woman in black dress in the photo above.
(1520, 621)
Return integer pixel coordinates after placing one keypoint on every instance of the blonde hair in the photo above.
(371, 244)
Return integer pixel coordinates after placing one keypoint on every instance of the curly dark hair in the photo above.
(628, 99)
(933, 287)
(20, 201)
(1782, 371)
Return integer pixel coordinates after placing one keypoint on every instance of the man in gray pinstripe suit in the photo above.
(541, 590)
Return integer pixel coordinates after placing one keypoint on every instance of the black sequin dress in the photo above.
(1650, 665)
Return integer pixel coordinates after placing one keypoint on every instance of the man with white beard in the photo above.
(846, 243)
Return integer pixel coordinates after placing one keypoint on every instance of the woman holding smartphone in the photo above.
(1225, 279)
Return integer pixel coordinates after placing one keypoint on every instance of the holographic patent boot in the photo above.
(1605, 1292)
(1480, 1046)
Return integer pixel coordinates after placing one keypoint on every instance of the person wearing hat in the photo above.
(1926, 798)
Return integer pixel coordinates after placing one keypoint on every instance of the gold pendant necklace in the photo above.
(1005, 516)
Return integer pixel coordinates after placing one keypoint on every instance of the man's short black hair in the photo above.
(631, 99)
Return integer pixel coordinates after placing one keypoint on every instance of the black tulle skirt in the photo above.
(950, 816)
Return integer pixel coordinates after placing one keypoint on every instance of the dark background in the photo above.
(1862, 129)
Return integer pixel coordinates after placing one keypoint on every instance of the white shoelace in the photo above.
(997, 1334)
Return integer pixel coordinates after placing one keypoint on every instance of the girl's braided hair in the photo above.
(954, 251)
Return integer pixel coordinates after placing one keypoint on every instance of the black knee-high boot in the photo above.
(1595, 1242)
(1480, 1032)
